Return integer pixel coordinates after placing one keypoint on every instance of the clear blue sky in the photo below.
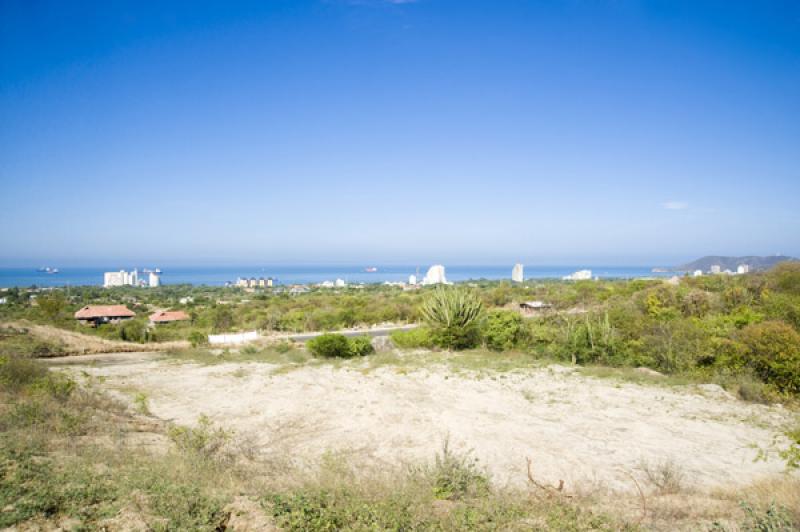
(374, 131)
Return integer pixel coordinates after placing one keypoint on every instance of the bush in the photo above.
(133, 331)
(361, 346)
(503, 330)
(197, 339)
(17, 373)
(786, 277)
(453, 314)
(417, 337)
(330, 346)
(774, 349)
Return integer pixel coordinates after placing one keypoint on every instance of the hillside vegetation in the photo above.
(740, 331)
(72, 457)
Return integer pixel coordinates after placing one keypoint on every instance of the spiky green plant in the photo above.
(453, 314)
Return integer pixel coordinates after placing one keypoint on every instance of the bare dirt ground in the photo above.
(589, 432)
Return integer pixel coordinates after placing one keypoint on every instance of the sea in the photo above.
(287, 275)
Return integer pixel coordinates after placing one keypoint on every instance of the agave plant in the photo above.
(453, 314)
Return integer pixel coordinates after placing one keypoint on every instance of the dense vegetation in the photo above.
(742, 331)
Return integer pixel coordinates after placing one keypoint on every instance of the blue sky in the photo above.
(370, 131)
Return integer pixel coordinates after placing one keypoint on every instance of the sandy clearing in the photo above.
(589, 432)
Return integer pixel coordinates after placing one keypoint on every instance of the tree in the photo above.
(52, 304)
(453, 314)
(222, 319)
(774, 353)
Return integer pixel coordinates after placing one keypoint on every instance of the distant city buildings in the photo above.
(698, 273)
(121, 278)
(125, 278)
(580, 275)
(412, 279)
(252, 282)
(517, 273)
(435, 275)
(742, 269)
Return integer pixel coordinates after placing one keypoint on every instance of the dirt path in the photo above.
(588, 432)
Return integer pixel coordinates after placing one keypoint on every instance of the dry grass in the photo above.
(75, 343)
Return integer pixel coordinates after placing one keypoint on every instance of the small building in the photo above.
(742, 269)
(716, 269)
(95, 315)
(169, 316)
(532, 307)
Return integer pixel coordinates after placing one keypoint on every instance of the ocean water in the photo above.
(285, 275)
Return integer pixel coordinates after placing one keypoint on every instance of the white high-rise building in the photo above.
(517, 273)
(435, 275)
(698, 273)
(154, 280)
(340, 283)
(119, 278)
(412, 279)
(743, 268)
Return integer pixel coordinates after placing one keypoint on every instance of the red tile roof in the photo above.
(165, 316)
(104, 311)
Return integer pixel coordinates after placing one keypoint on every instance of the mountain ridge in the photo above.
(731, 263)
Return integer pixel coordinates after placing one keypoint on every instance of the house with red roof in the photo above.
(168, 316)
(95, 315)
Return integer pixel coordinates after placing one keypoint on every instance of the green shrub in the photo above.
(792, 453)
(361, 346)
(283, 347)
(205, 441)
(457, 476)
(133, 331)
(330, 346)
(774, 353)
(502, 330)
(418, 337)
(785, 277)
(453, 314)
(17, 373)
(197, 339)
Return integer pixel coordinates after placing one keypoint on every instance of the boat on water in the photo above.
(47, 269)
(371, 269)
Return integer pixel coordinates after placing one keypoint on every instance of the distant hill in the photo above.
(731, 263)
